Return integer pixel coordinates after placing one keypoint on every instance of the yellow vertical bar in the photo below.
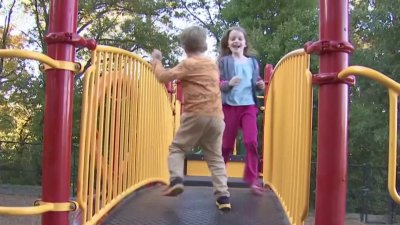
(131, 130)
(150, 97)
(155, 123)
(147, 121)
(125, 123)
(104, 128)
(392, 159)
(124, 148)
(296, 124)
(108, 146)
(99, 135)
(140, 123)
(135, 121)
(84, 144)
(119, 129)
(92, 143)
(112, 125)
(162, 123)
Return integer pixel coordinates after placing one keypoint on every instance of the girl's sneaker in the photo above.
(257, 190)
(175, 187)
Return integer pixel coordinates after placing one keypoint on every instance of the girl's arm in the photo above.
(260, 85)
(223, 78)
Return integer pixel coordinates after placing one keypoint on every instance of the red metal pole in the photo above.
(333, 115)
(268, 71)
(57, 134)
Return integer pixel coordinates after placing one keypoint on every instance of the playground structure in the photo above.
(116, 160)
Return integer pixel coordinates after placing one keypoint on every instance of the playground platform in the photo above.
(196, 206)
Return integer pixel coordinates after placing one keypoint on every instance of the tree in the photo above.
(207, 14)
(274, 27)
(375, 27)
(20, 98)
(137, 26)
(5, 32)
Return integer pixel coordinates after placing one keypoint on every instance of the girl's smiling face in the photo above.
(236, 42)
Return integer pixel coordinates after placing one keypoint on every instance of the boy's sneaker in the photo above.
(223, 203)
(175, 187)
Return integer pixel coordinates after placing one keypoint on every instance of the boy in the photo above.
(202, 121)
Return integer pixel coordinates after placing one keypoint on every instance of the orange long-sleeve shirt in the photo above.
(200, 84)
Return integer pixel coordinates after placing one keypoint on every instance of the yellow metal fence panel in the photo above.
(127, 123)
(287, 134)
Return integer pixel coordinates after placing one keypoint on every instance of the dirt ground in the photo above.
(18, 200)
(350, 220)
(14, 195)
(25, 196)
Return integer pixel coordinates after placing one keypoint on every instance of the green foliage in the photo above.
(267, 16)
(21, 96)
(274, 27)
(375, 31)
(20, 163)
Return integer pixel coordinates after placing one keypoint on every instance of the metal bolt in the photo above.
(77, 66)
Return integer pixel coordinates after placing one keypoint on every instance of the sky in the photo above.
(21, 21)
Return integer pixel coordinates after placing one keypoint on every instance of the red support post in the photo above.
(56, 164)
(333, 115)
(268, 71)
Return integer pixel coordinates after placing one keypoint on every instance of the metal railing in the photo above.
(287, 134)
(393, 91)
(127, 123)
(46, 63)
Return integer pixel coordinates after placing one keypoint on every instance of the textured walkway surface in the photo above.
(196, 206)
(14, 195)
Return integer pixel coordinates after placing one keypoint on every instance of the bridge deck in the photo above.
(196, 206)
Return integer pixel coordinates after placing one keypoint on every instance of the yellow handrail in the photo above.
(49, 62)
(39, 208)
(394, 90)
(372, 74)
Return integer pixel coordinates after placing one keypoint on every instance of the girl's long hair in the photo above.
(224, 49)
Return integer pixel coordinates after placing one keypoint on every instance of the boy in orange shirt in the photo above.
(202, 122)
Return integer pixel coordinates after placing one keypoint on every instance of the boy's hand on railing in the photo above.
(156, 54)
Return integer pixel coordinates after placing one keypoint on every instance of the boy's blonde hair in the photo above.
(194, 39)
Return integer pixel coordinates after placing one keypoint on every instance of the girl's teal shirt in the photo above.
(226, 66)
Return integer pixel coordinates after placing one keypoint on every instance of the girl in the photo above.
(239, 82)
